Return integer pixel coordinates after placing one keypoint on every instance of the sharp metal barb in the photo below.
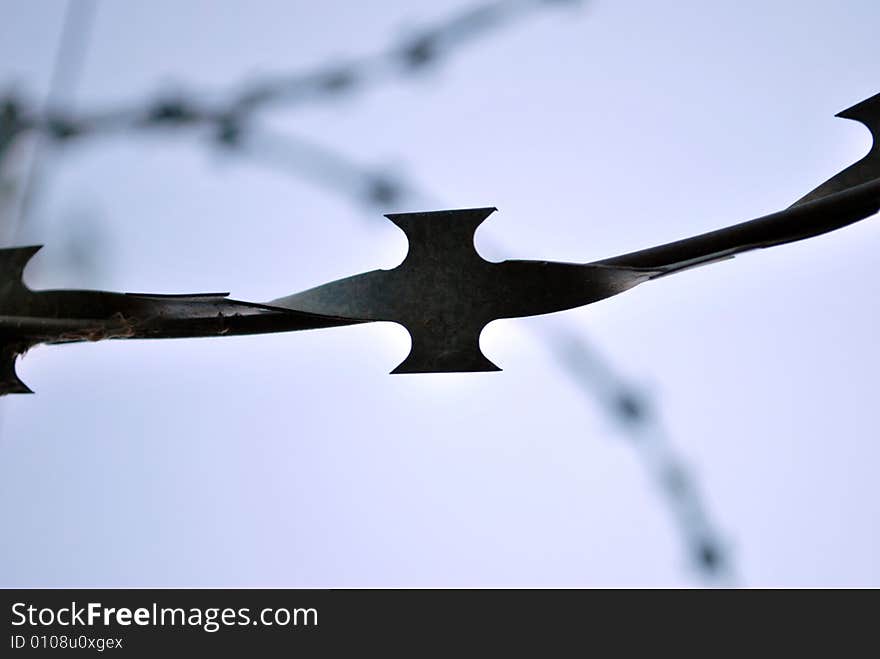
(28, 317)
(444, 293)
(629, 408)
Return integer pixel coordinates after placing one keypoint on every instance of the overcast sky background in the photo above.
(296, 460)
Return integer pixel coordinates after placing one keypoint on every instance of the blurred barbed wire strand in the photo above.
(628, 407)
(69, 59)
(15, 195)
(223, 113)
(226, 111)
(232, 122)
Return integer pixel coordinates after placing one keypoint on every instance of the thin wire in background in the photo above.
(231, 124)
(631, 410)
(228, 109)
(76, 28)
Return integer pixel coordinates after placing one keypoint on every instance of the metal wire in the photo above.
(69, 59)
(631, 410)
(233, 127)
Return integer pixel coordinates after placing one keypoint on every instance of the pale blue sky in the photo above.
(295, 460)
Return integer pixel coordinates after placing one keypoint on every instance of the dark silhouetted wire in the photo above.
(69, 57)
(630, 409)
(234, 128)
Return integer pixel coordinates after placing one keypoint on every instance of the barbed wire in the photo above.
(225, 112)
(232, 126)
(630, 409)
(636, 417)
(69, 57)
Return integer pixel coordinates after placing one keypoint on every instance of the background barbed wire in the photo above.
(230, 120)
